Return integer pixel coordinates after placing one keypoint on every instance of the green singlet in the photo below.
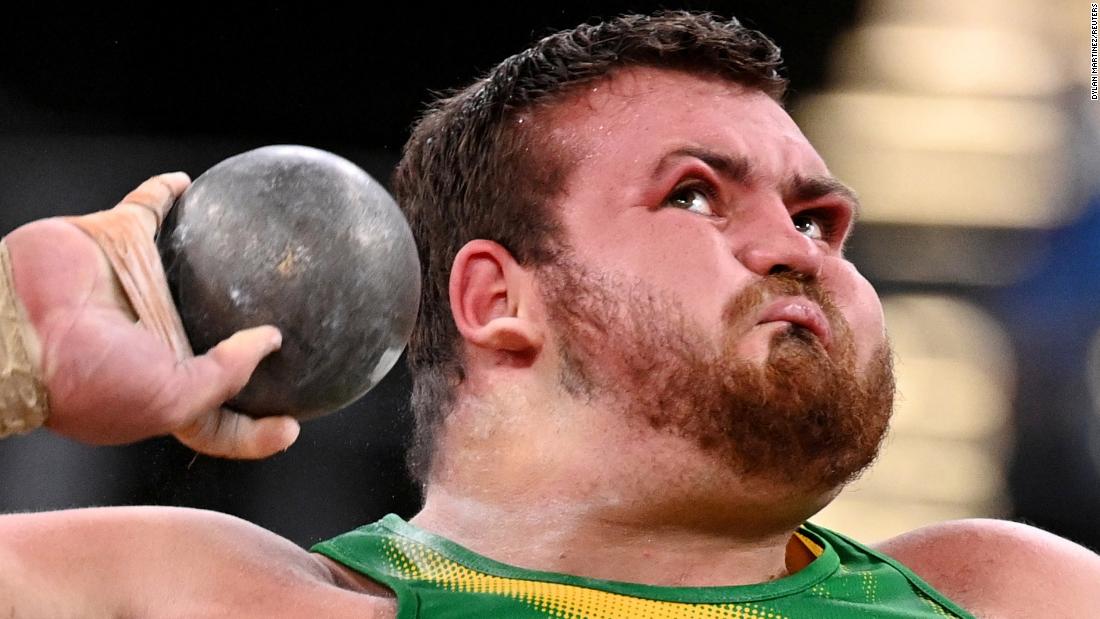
(436, 578)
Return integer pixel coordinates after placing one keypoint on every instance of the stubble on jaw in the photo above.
(806, 417)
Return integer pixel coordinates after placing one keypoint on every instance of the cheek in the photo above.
(860, 305)
(677, 255)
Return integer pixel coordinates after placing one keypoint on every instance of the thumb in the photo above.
(229, 434)
(205, 382)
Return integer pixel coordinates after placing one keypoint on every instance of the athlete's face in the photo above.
(704, 289)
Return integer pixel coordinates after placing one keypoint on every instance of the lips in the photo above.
(800, 312)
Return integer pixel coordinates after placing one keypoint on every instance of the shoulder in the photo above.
(144, 529)
(998, 568)
(187, 562)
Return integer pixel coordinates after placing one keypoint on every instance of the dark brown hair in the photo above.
(473, 169)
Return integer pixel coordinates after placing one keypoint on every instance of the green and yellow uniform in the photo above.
(436, 578)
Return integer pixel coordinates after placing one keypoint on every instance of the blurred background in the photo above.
(967, 128)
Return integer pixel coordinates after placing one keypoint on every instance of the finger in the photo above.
(205, 382)
(228, 434)
(155, 197)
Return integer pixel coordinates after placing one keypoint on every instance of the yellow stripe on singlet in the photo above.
(556, 600)
(810, 545)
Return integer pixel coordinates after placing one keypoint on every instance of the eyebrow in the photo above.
(740, 170)
(736, 168)
(807, 188)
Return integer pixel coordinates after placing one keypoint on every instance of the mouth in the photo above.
(799, 312)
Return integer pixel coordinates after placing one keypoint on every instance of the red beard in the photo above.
(805, 417)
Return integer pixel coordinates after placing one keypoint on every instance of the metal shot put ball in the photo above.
(304, 240)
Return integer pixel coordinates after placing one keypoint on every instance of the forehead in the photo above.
(638, 115)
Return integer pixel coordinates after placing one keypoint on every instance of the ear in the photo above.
(491, 297)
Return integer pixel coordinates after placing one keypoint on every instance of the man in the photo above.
(642, 363)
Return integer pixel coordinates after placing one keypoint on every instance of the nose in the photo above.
(771, 244)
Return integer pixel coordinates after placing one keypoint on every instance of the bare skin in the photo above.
(627, 503)
(167, 562)
(109, 380)
(655, 481)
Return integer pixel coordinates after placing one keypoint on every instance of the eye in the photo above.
(826, 224)
(810, 226)
(693, 197)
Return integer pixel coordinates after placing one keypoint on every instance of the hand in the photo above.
(110, 380)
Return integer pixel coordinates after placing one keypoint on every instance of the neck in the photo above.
(559, 537)
(635, 511)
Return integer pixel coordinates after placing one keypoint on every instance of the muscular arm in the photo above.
(155, 561)
(1003, 569)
